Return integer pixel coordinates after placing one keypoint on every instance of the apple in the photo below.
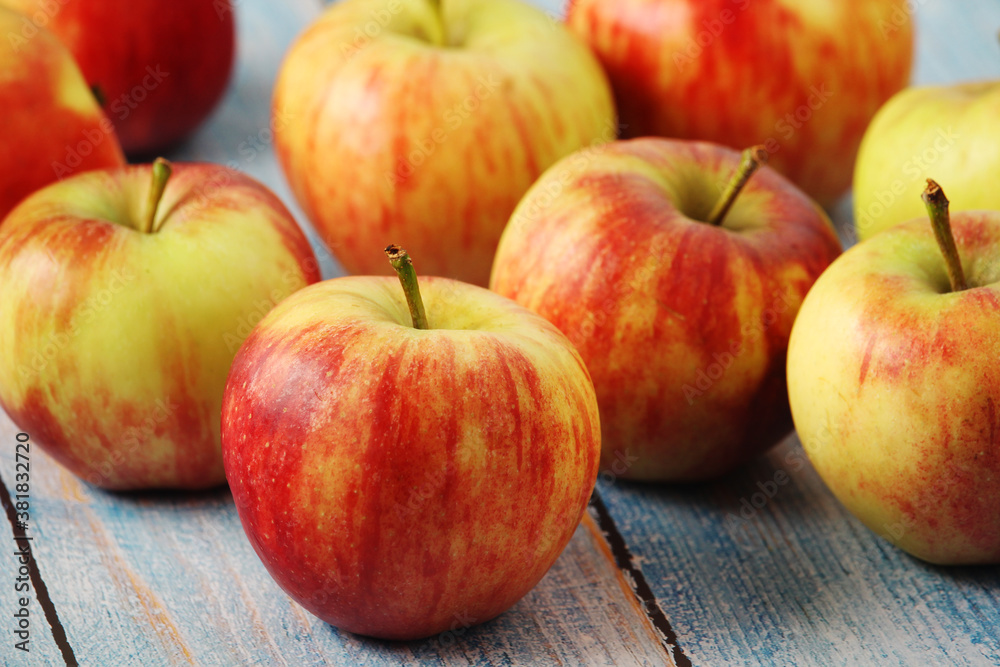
(160, 67)
(405, 473)
(802, 77)
(427, 123)
(52, 124)
(124, 297)
(950, 129)
(894, 380)
(680, 309)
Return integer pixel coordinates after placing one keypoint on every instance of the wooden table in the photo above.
(654, 575)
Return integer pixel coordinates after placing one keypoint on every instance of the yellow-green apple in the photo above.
(802, 77)
(402, 477)
(51, 122)
(124, 297)
(949, 129)
(160, 67)
(428, 122)
(680, 310)
(894, 379)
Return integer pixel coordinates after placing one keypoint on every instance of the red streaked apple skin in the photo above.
(46, 110)
(399, 483)
(114, 344)
(163, 71)
(744, 72)
(895, 388)
(431, 146)
(683, 325)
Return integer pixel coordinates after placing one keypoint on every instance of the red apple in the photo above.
(51, 123)
(397, 481)
(799, 76)
(121, 313)
(683, 323)
(161, 67)
(427, 122)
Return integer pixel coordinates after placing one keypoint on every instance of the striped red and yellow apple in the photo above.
(950, 131)
(397, 481)
(427, 121)
(894, 379)
(682, 323)
(801, 77)
(52, 125)
(121, 309)
(160, 67)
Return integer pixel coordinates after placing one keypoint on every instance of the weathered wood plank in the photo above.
(765, 567)
(800, 581)
(20, 574)
(171, 579)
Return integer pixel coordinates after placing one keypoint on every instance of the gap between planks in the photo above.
(606, 536)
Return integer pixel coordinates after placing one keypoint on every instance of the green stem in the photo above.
(753, 158)
(438, 12)
(408, 279)
(937, 209)
(161, 174)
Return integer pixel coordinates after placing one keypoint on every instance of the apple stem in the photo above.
(753, 158)
(439, 15)
(403, 265)
(161, 174)
(937, 209)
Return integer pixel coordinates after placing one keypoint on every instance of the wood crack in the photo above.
(632, 573)
(37, 583)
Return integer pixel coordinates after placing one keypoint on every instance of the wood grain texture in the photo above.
(753, 571)
(141, 579)
(171, 580)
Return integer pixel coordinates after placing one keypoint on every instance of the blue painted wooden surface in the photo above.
(170, 579)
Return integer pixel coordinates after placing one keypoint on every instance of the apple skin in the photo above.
(46, 109)
(398, 482)
(802, 77)
(161, 66)
(948, 132)
(683, 325)
(395, 137)
(895, 388)
(115, 344)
